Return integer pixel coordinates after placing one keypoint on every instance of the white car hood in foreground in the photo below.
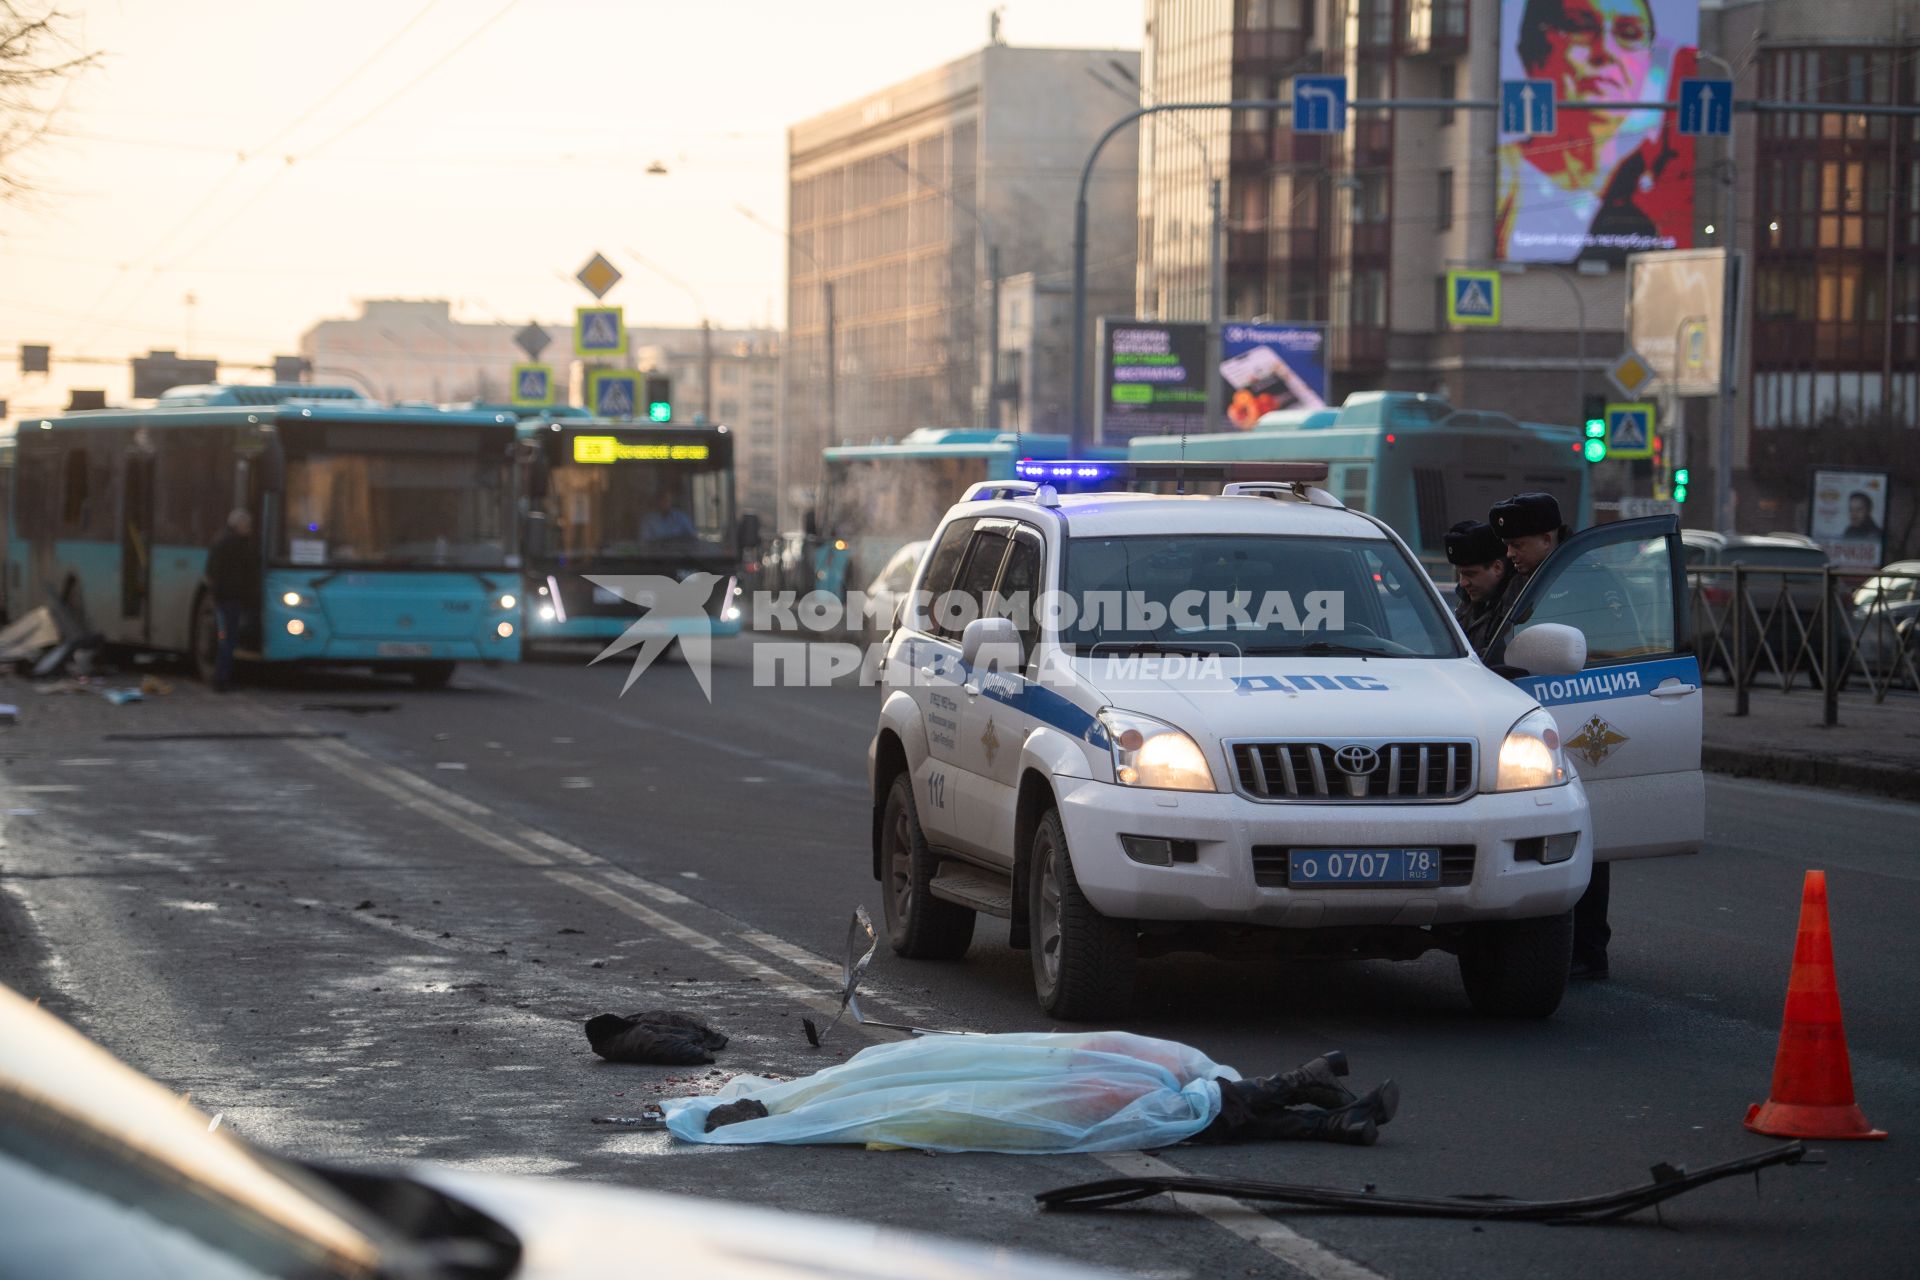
(590, 1231)
(1317, 698)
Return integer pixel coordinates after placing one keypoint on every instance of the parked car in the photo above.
(103, 1173)
(1787, 603)
(1886, 623)
(887, 592)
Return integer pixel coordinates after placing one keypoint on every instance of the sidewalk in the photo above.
(1874, 748)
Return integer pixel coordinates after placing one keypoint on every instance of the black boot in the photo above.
(1315, 1083)
(1358, 1122)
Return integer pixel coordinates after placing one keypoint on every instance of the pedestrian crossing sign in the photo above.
(1473, 297)
(612, 393)
(532, 386)
(599, 331)
(1630, 430)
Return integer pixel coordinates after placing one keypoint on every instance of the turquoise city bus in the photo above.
(1414, 461)
(626, 499)
(879, 497)
(387, 535)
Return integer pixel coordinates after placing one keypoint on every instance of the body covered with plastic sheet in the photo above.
(1017, 1093)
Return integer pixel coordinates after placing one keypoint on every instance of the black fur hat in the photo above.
(1524, 514)
(1470, 542)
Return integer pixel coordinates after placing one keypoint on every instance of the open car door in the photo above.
(1631, 720)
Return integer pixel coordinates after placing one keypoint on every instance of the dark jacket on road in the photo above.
(233, 569)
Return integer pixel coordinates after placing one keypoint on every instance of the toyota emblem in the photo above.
(1355, 760)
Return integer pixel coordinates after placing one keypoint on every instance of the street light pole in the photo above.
(1729, 329)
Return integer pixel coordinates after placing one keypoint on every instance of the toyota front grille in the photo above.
(1362, 770)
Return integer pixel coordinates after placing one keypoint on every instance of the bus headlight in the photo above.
(1530, 756)
(508, 601)
(1152, 753)
(295, 627)
(546, 613)
(294, 600)
(504, 630)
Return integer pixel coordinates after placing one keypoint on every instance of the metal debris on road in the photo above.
(1668, 1181)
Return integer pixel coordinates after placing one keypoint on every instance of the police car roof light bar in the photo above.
(1076, 469)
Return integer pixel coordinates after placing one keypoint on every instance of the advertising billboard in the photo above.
(1674, 313)
(1603, 184)
(1153, 379)
(1271, 366)
(1847, 517)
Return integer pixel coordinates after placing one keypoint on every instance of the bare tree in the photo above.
(36, 60)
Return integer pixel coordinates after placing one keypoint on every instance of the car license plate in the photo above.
(404, 649)
(1363, 867)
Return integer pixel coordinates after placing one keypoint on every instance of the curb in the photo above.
(1808, 771)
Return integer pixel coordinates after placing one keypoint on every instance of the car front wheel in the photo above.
(1517, 968)
(919, 925)
(1083, 961)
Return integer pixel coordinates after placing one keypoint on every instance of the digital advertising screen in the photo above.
(1268, 367)
(1603, 184)
(1153, 378)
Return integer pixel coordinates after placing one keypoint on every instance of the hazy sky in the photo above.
(280, 159)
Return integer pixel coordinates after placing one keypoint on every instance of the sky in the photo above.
(277, 162)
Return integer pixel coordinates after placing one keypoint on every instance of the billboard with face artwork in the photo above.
(1604, 184)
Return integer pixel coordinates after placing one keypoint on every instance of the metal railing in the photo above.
(1760, 626)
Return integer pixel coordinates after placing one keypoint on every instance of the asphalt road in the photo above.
(379, 944)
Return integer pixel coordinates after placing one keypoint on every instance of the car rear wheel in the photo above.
(1517, 968)
(1083, 961)
(919, 925)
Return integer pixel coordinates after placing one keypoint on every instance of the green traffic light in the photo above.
(1680, 478)
(1595, 450)
(1596, 428)
(1679, 493)
(660, 411)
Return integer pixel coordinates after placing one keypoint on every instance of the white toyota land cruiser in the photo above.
(1133, 723)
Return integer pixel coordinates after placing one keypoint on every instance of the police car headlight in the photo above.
(1530, 757)
(1152, 753)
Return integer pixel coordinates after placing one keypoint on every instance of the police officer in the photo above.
(1482, 580)
(1531, 527)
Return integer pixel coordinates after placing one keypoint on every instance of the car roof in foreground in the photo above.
(1114, 515)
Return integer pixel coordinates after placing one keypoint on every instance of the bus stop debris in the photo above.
(33, 634)
(657, 1037)
(1668, 1181)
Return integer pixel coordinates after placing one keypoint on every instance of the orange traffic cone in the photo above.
(1812, 1094)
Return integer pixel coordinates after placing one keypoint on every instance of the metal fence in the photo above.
(1756, 626)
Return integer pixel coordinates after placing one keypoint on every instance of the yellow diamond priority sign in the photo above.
(1630, 373)
(598, 275)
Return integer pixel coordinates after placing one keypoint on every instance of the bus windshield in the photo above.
(630, 510)
(398, 509)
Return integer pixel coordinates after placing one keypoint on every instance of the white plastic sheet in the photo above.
(1021, 1094)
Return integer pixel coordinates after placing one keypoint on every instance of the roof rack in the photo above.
(987, 490)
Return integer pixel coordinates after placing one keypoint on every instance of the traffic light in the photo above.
(659, 389)
(1680, 481)
(1594, 450)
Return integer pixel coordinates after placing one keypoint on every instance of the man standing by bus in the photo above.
(1531, 527)
(1482, 580)
(233, 579)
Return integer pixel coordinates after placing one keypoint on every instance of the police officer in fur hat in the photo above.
(1531, 527)
(1482, 580)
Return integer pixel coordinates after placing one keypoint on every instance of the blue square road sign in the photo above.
(1319, 104)
(1527, 107)
(1706, 107)
(1630, 430)
(613, 393)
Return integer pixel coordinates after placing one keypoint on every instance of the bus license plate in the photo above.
(1363, 867)
(404, 649)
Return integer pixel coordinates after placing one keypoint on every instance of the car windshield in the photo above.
(1255, 595)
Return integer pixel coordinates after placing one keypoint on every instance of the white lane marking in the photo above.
(47, 788)
(639, 884)
(420, 805)
(1302, 1254)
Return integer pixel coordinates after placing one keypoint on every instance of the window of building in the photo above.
(1446, 85)
(1368, 305)
(1443, 200)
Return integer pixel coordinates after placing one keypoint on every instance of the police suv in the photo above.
(1131, 723)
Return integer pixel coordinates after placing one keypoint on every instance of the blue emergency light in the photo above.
(1028, 469)
(1159, 470)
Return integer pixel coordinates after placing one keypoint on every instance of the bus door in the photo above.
(136, 539)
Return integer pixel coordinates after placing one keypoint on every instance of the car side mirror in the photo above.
(991, 643)
(1548, 649)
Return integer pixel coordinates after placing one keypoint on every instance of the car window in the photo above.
(1617, 594)
(941, 567)
(978, 573)
(1018, 595)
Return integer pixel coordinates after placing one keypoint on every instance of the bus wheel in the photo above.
(205, 645)
(431, 675)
